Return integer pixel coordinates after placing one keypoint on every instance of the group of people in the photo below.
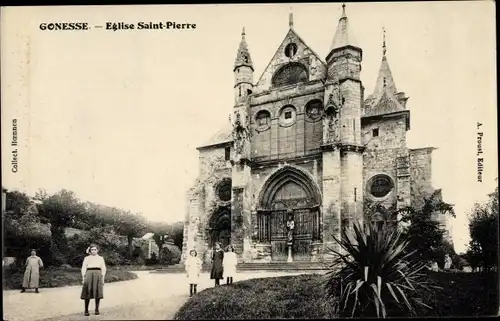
(94, 272)
(93, 275)
(223, 266)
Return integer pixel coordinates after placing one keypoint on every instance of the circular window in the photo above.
(291, 50)
(380, 185)
(224, 190)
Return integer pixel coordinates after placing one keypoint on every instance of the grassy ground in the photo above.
(57, 277)
(463, 294)
(281, 297)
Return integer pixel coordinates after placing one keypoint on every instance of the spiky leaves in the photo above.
(371, 276)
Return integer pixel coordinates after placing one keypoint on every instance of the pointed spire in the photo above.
(343, 36)
(290, 18)
(243, 56)
(385, 82)
(384, 48)
(385, 98)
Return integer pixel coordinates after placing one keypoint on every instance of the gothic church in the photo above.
(305, 144)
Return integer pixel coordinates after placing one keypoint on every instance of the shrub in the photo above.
(302, 297)
(58, 277)
(110, 246)
(374, 275)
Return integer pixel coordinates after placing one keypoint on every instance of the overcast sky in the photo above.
(116, 116)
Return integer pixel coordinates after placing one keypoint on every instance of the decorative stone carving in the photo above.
(241, 136)
(332, 115)
(290, 225)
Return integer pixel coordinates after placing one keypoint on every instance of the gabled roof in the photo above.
(290, 34)
(222, 136)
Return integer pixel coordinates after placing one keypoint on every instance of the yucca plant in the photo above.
(372, 277)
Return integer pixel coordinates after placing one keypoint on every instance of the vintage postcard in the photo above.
(243, 161)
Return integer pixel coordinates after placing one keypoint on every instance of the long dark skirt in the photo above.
(92, 286)
(217, 268)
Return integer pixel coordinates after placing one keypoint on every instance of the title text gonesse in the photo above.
(65, 26)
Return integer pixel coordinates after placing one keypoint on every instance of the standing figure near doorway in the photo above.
(229, 264)
(217, 268)
(290, 225)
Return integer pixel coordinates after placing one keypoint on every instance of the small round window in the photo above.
(380, 186)
(290, 50)
(224, 190)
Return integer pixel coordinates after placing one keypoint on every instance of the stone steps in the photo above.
(282, 266)
(272, 266)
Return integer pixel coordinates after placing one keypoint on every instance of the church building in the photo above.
(306, 152)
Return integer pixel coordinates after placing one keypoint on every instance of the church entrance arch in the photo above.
(220, 227)
(289, 214)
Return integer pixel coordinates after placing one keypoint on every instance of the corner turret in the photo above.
(243, 72)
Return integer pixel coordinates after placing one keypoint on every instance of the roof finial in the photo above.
(243, 32)
(290, 18)
(343, 11)
(384, 48)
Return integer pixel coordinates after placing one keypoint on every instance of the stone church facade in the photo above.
(305, 144)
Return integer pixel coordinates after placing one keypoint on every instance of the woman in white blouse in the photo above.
(93, 273)
(229, 263)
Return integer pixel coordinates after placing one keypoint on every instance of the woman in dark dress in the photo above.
(217, 269)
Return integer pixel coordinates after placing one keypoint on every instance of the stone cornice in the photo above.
(343, 147)
(261, 99)
(274, 162)
(405, 113)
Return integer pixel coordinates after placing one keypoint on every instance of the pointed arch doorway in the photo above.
(289, 193)
(220, 227)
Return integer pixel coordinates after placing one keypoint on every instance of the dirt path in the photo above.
(153, 296)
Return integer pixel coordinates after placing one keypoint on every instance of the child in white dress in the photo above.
(229, 264)
(193, 270)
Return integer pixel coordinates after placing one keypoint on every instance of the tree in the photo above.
(130, 225)
(23, 228)
(483, 228)
(178, 234)
(162, 231)
(60, 210)
(424, 232)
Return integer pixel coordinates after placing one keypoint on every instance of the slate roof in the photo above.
(343, 35)
(223, 135)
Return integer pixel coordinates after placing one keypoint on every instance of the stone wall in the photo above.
(281, 140)
(420, 175)
(202, 201)
(381, 157)
(331, 209)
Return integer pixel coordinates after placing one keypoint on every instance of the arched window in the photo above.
(223, 190)
(263, 118)
(290, 74)
(314, 109)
